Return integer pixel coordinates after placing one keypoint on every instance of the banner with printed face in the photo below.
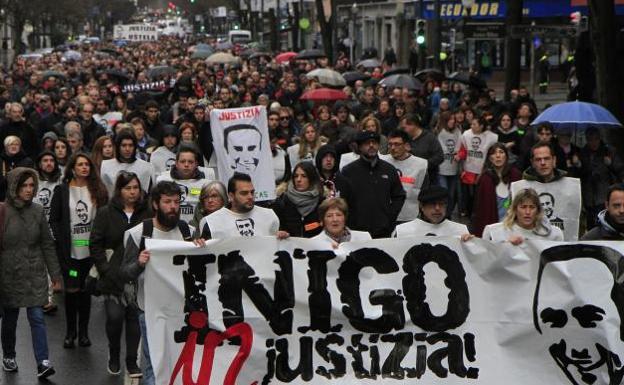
(424, 310)
(560, 200)
(241, 144)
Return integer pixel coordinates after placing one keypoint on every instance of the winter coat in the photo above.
(27, 255)
(485, 209)
(336, 185)
(292, 222)
(604, 230)
(24, 131)
(597, 176)
(8, 163)
(107, 234)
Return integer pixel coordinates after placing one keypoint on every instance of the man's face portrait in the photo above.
(475, 143)
(245, 227)
(44, 196)
(243, 148)
(82, 211)
(548, 204)
(578, 318)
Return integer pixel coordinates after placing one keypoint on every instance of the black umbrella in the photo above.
(431, 73)
(247, 53)
(354, 76)
(160, 71)
(396, 71)
(372, 82)
(310, 54)
(121, 77)
(110, 51)
(53, 74)
(401, 81)
(258, 55)
(468, 79)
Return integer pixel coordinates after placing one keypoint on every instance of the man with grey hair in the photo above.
(74, 136)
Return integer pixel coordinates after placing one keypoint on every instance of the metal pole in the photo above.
(261, 21)
(532, 63)
(352, 37)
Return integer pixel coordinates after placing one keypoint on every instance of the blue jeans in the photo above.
(37, 331)
(449, 182)
(148, 371)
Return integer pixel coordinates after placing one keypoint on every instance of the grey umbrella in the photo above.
(369, 63)
(401, 81)
(307, 54)
(327, 77)
(157, 71)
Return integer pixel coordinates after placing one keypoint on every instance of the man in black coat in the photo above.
(378, 194)
(16, 125)
(610, 225)
(91, 130)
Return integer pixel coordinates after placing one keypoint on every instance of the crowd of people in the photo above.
(90, 171)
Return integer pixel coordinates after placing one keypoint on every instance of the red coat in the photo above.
(485, 211)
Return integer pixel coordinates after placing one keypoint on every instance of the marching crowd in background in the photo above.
(88, 172)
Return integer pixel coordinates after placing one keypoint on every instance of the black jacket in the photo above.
(107, 233)
(604, 230)
(8, 163)
(378, 199)
(292, 222)
(24, 131)
(91, 131)
(337, 183)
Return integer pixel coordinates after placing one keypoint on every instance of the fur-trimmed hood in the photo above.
(13, 178)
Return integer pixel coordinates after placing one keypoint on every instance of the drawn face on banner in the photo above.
(243, 145)
(82, 212)
(548, 204)
(577, 317)
(245, 227)
(44, 196)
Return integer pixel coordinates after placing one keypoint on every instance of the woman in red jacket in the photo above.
(493, 194)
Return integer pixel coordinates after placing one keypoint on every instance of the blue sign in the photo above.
(496, 9)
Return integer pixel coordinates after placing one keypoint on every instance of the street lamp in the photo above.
(354, 10)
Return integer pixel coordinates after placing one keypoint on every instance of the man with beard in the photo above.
(379, 195)
(241, 217)
(190, 178)
(126, 160)
(166, 224)
(49, 174)
(610, 224)
(578, 314)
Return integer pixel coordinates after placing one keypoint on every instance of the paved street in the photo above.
(73, 366)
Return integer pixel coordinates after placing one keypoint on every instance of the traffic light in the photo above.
(421, 31)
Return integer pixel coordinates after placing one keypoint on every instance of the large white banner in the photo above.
(561, 202)
(241, 144)
(135, 32)
(424, 310)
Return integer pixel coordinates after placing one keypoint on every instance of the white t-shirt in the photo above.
(111, 167)
(418, 227)
(224, 223)
(497, 232)
(450, 142)
(134, 235)
(477, 146)
(162, 159)
(81, 213)
(412, 173)
(355, 236)
(191, 191)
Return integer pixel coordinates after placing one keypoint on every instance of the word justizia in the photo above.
(409, 353)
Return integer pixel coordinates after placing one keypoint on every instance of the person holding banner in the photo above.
(560, 196)
(165, 224)
(524, 220)
(241, 217)
(432, 220)
(610, 220)
(333, 213)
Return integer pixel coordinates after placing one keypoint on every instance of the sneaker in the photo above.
(44, 369)
(113, 367)
(133, 370)
(9, 364)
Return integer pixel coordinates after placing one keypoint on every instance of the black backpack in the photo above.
(148, 230)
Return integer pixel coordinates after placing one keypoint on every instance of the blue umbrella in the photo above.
(574, 116)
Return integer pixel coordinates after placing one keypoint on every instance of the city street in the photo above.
(73, 366)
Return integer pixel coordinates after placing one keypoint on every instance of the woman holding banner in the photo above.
(333, 213)
(524, 220)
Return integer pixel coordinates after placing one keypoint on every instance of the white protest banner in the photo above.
(561, 202)
(241, 144)
(423, 310)
(135, 32)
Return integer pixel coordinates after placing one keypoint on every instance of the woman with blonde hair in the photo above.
(372, 124)
(309, 142)
(524, 220)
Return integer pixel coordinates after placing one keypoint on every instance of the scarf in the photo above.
(305, 201)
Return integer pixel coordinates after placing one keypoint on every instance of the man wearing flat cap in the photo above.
(432, 220)
(378, 194)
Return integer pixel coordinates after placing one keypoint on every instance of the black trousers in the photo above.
(116, 315)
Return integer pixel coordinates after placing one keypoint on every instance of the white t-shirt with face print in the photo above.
(82, 213)
(477, 146)
(224, 223)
